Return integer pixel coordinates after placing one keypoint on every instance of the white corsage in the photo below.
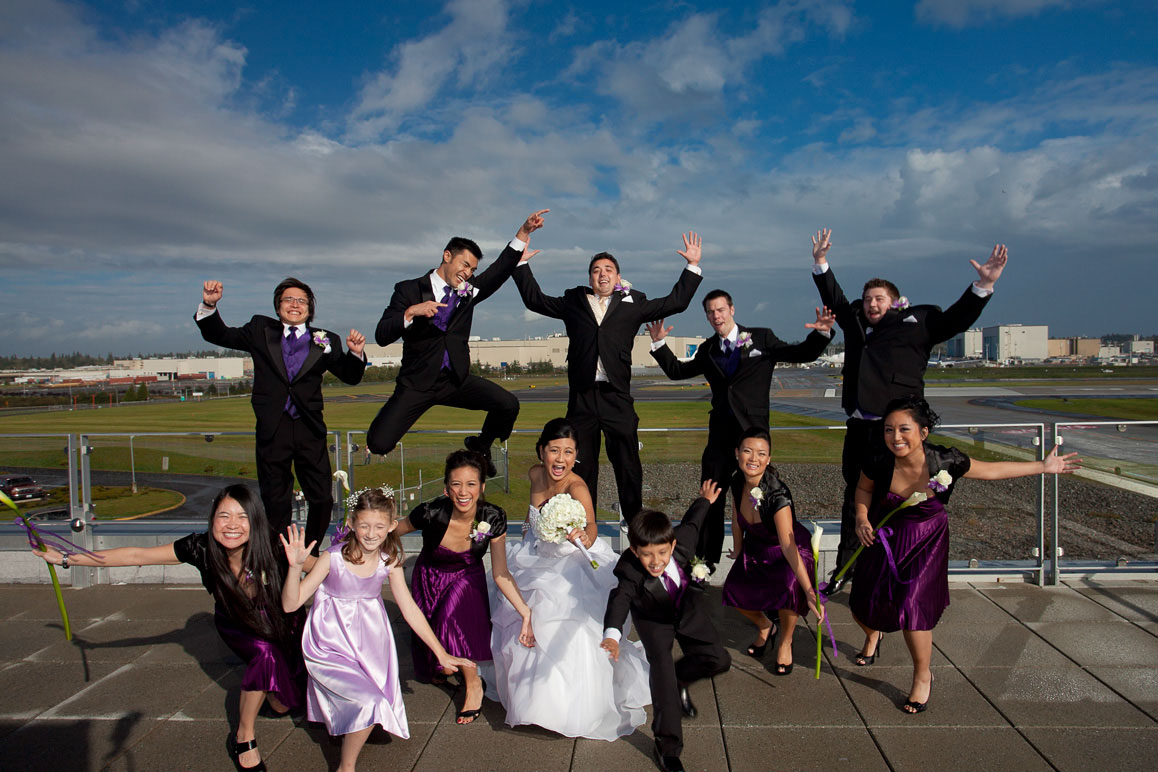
(941, 481)
(322, 341)
(756, 496)
(744, 340)
(480, 532)
(700, 571)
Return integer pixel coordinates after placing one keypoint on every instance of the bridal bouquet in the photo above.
(558, 517)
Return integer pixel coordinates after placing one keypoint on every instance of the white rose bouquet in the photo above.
(558, 517)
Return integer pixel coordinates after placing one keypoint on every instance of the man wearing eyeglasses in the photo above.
(289, 359)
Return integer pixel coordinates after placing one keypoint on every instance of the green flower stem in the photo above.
(819, 622)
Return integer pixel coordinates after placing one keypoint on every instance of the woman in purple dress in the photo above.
(239, 568)
(348, 644)
(773, 552)
(449, 580)
(902, 577)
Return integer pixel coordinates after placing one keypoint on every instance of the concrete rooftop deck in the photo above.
(1026, 678)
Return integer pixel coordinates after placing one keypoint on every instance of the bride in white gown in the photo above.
(566, 683)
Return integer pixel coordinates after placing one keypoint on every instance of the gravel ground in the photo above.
(988, 520)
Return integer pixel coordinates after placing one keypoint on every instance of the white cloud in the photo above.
(965, 13)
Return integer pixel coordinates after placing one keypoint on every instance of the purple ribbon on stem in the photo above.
(40, 541)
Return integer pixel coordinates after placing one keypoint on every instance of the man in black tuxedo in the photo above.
(433, 314)
(602, 320)
(289, 359)
(666, 594)
(738, 362)
(887, 344)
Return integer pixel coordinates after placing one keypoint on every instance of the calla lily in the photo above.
(344, 478)
(817, 532)
(916, 498)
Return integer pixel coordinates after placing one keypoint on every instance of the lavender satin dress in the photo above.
(350, 654)
(902, 581)
(762, 580)
(451, 590)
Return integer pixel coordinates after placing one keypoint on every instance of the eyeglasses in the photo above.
(295, 301)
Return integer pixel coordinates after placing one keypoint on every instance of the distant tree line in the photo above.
(77, 359)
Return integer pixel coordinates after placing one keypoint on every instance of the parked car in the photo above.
(21, 488)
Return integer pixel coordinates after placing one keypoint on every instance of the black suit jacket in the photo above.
(645, 597)
(891, 362)
(422, 342)
(611, 341)
(745, 392)
(261, 338)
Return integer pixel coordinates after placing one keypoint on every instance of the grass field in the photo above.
(1030, 373)
(1125, 408)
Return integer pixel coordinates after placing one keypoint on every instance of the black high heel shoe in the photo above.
(236, 749)
(913, 708)
(863, 660)
(758, 651)
(471, 715)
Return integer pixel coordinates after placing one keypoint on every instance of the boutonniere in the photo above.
(940, 482)
(480, 531)
(744, 340)
(700, 571)
(322, 341)
(900, 304)
(464, 290)
(756, 496)
(623, 286)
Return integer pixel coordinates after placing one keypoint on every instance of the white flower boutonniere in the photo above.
(941, 481)
(756, 496)
(901, 303)
(322, 341)
(700, 571)
(624, 286)
(464, 290)
(480, 532)
(744, 340)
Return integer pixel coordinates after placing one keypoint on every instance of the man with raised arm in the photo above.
(738, 362)
(289, 358)
(887, 345)
(433, 315)
(602, 320)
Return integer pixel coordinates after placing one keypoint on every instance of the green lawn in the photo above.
(1032, 372)
(1126, 409)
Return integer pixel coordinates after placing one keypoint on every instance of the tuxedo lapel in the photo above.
(273, 336)
(425, 291)
(612, 304)
(653, 585)
(312, 356)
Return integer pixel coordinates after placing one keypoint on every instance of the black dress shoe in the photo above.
(686, 704)
(835, 585)
(474, 444)
(666, 763)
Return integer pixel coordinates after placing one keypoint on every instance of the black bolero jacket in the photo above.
(776, 496)
(433, 517)
(937, 457)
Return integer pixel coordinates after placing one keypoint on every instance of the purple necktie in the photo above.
(294, 348)
(669, 584)
(441, 318)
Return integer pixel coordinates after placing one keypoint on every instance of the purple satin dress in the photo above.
(762, 580)
(908, 590)
(350, 654)
(451, 590)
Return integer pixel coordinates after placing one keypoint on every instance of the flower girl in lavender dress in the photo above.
(566, 683)
(348, 646)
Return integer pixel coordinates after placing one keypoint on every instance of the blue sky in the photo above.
(149, 145)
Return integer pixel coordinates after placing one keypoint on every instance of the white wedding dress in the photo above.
(565, 683)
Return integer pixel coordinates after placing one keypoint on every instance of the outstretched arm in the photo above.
(488, 282)
(685, 287)
(506, 584)
(419, 624)
(532, 294)
(988, 274)
(668, 362)
(294, 591)
(161, 555)
(1005, 470)
(830, 292)
(808, 349)
(208, 319)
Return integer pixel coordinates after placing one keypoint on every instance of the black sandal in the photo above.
(783, 670)
(863, 659)
(758, 651)
(472, 714)
(236, 749)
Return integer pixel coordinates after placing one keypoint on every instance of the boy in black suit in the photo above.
(433, 315)
(738, 363)
(665, 591)
(887, 346)
(289, 359)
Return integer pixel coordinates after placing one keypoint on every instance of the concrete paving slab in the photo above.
(1139, 685)
(73, 745)
(850, 641)
(30, 688)
(21, 638)
(1001, 645)
(1135, 602)
(182, 746)
(1116, 644)
(88, 603)
(176, 603)
(195, 639)
(801, 749)
(1078, 750)
(1048, 604)
(703, 752)
(310, 747)
(427, 703)
(760, 699)
(111, 641)
(488, 744)
(966, 749)
(970, 603)
(132, 688)
(1032, 696)
(878, 692)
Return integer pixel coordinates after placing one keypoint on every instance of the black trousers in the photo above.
(406, 406)
(294, 449)
(718, 464)
(604, 409)
(860, 438)
(701, 659)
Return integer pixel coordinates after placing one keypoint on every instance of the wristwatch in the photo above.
(64, 561)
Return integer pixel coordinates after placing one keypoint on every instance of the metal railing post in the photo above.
(85, 576)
